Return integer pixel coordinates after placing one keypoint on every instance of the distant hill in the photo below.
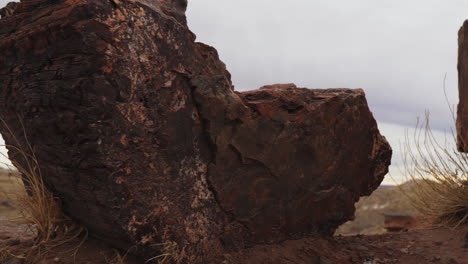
(386, 186)
(8, 185)
(369, 210)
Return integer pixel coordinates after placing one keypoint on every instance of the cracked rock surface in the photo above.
(139, 132)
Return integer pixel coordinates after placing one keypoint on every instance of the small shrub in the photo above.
(440, 175)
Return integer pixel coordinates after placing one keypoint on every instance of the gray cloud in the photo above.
(397, 50)
(4, 2)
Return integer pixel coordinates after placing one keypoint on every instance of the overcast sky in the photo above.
(398, 51)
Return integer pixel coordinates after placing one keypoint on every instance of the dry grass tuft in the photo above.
(166, 257)
(440, 175)
(118, 258)
(36, 205)
(6, 253)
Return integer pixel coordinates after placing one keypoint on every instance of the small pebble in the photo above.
(56, 259)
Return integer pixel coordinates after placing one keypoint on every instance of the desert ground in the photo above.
(362, 241)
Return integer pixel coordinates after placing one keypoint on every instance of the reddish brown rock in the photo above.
(139, 132)
(396, 222)
(462, 115)
(280, 150)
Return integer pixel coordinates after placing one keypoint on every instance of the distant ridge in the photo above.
(383, 187)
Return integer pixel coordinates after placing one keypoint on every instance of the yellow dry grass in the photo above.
(118, 258)
(440, 174)
(35, 204)
(165, 257)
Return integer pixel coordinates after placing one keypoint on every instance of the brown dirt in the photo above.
(16, 242)
(422, 246)
(417, 246)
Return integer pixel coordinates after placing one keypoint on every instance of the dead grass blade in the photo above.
(37, 206)
(440, 175)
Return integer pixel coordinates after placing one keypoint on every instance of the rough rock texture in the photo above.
(140, 133)
(462, 116)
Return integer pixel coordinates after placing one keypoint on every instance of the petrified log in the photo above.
(462, 115)
(140, 133)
